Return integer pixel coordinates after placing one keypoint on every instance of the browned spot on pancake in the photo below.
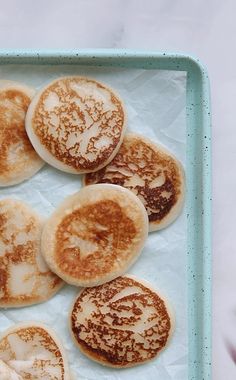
(123, 330)
(75, 115)
(20, 245)
(46, 340)
(55, 282)
(106, 230)
(158, 179)
(13, 137)
(3, 279)
(43, 364)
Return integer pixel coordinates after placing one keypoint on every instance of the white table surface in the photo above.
(204, 28)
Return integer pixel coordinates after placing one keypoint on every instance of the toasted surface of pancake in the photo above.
(122, 323)
(18, 159)
(25, 278)
(150, 172)
(34, 352)
(95, 235)
(76, 124)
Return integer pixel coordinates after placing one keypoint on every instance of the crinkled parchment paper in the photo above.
(155, 102)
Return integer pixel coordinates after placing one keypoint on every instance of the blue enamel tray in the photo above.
(198, 175)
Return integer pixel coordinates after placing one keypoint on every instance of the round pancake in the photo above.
(95, 235)
(25, 278)
(150, 172)
(18, 159)
(122, 323)
(33, 351)
(76, 124)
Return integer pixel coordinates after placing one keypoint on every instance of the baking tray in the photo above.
(198, 175)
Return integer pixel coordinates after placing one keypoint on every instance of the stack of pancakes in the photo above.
(132, 186)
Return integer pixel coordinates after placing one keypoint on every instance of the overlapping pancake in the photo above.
(76, 124)
(150, 172)
(18, 159)
(33, 351)
(25, 278)
(122, 323)
(95, 235)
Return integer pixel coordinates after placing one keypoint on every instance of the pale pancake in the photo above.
(152, 173)
(25, 278)
(34, 352)
(6, 373)
(76, 124)
(18, 159)
(122, 323)
(95, 235)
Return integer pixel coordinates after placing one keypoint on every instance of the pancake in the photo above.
(152, 173)
(25, 278)
(33, 351)
(6, 373)
(122, 323)
(95, 235)
(76, 124)
(18, 159)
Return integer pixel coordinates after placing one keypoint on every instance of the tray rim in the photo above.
(199, 218)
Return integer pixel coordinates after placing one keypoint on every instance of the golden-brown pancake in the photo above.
(18, 159)
(122, 323)
(76, 124)
(25, 278)
(150, 172)
(33, 351)
(95, 235)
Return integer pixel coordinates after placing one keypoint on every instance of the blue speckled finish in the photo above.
(198, 173)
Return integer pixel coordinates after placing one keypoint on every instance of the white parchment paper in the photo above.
(155, 102)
